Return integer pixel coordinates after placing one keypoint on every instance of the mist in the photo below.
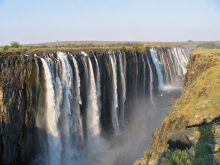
(130, 144)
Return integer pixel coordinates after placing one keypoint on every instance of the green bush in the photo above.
(177, 157)
(15, 44)
(210, 45)
(136, 46)
(181, 157)
(5, 48)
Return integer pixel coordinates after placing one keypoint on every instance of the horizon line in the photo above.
(96, 42)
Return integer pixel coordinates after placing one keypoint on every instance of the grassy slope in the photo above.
(201, 97)
(198, 107)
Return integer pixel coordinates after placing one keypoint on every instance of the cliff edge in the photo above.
(190, 133)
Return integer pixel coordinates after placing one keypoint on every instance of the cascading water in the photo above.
(53, 135)
(114, 106)
(157, 65)
(66, 110)
(144, 75)
(174, 62)
(93, 124)
(151, 84)
(84, 100)
(170, 64)
(181, 61)
(123, 88)
(98, 86)
(77, 120)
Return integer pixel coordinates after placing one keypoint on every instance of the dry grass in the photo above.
(201, 97)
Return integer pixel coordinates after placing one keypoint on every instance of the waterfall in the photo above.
(123, 88)
(114, 106)
(98, 86)
(53, 135)
(93, 125)
(66, 110)
(144, 76)
(151, 83)
(136, 78)
(170, 64)
(158, 69)
(78, 127)
(181, 61)
(85, 104)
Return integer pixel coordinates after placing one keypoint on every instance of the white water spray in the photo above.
(158, 69)
(98, 86)
(53, 135)
(122, 75)
(114, 109)
(93, 124)
(151, 83)
(66, 122)
(78, 127)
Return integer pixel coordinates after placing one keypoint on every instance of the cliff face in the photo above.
(17, 108)
(55, 106)
(18, 85)
(23, 99)
(189, 133)
(26, 110)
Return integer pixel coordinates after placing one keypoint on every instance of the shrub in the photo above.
(15, 44)
(5, 48)
(177, 157)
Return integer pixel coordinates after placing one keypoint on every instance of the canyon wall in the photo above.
(190, 132)
(57, 107)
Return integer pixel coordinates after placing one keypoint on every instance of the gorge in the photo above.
(190, 131)
(92, 107)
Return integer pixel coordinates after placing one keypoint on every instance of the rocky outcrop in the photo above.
(189, 133)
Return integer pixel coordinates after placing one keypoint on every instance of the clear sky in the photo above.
(34, 21)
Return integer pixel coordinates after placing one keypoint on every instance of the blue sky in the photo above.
(34, 21)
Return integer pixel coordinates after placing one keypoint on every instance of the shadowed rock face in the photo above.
(18, 106)
(28, 130)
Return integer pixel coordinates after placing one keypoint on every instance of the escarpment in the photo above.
(55, 107)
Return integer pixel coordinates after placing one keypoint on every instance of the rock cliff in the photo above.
(190, 132)
(55, 105)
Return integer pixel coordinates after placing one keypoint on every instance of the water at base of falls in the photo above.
(102, 109)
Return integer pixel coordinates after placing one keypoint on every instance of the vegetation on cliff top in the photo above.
(190, 132)
(201, 97)
(15, 47)
(209, 45)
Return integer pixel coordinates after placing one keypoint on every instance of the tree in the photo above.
(5, 48)
(15, 44)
